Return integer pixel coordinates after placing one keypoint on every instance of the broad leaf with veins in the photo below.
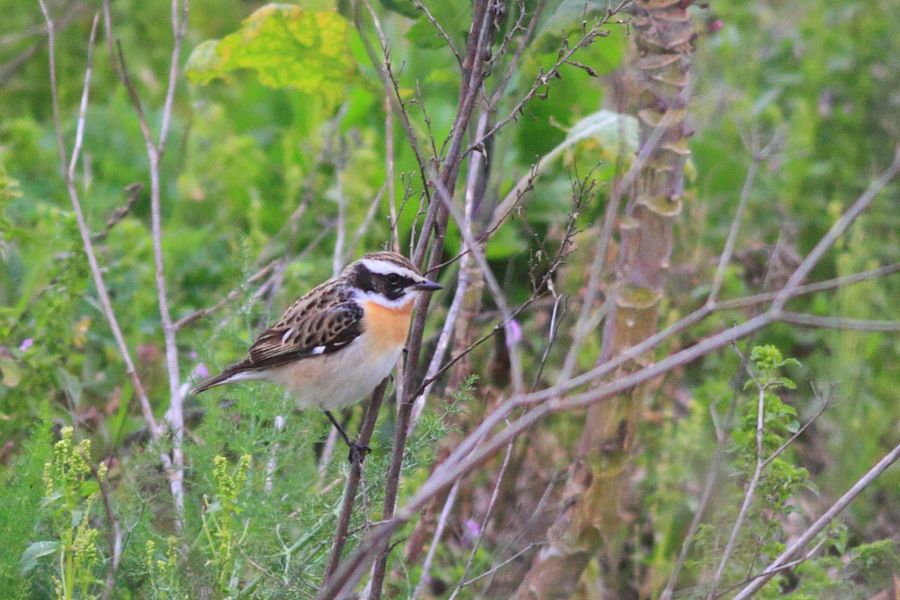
(288, 46)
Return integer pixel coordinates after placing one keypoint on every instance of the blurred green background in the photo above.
(244, 155)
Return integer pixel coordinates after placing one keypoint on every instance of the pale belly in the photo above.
(331, 381)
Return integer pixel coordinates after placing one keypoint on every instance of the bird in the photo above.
(336, 343)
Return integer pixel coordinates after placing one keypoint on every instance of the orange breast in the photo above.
(387, 327)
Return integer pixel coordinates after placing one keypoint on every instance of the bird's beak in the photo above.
(428, 286)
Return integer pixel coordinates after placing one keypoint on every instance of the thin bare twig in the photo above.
(133, 192)
(389, 161)
(499, 566)
(389, 83)
(836, 230)
(725, 258)
(272, 463)
(96, 273)
(340, 163)
(179, 28)
(495, 493)
(493, 285)
(113, 535)
(780, 450)
(436, 539)
(748, 494)
(810, 288)
(825, 322)
(544, 77)
(154, 149)
(352, 485)
(203, 312)
(513, 65)
(462, 282)
(812, 552)
(365, 225)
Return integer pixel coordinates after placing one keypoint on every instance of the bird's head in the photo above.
(388, 278)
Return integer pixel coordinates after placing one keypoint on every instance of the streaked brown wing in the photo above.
(321, 322)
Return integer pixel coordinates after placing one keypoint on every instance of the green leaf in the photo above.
(32, 553)
(71, 385)
(504, 244)
(566, 15)
(609, 129)
(288, 46)
(403, 7)
(785, 382)
(453, 17)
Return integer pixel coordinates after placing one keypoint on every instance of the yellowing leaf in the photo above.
(288, 46)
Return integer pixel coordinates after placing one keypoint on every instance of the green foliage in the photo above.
(778, 497)
(69, 495)
(221, 528)
(288, 46)
(297, 120)
(164, 580)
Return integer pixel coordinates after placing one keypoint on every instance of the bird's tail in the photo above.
(229, 375)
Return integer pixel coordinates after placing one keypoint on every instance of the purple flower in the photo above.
(26, 344)
(513, 333)
(202, 371)
(471, 530)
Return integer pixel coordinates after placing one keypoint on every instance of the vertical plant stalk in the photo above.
(480, 38)
(155, 150)
(464, 307)
(597, 486)
(352, 486)
(748, 495)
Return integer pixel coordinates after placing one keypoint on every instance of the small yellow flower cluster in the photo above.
(70, 464)
(228, 486)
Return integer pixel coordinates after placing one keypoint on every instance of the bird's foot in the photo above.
(358, 453)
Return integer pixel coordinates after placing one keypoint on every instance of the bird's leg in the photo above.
(357, 451)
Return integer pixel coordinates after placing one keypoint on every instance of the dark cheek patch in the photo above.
(392, 292)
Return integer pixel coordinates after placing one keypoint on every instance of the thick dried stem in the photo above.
(596, 493)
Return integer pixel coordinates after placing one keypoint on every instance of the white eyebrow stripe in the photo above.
(384, 267)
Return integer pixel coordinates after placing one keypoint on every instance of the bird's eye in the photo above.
(393, 279)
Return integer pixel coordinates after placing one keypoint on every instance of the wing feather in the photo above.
(321, 322)
(318, 332)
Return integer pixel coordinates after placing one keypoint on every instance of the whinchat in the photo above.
(334, 345)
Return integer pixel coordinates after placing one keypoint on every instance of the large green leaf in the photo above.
(288, 46)
(610, 130)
